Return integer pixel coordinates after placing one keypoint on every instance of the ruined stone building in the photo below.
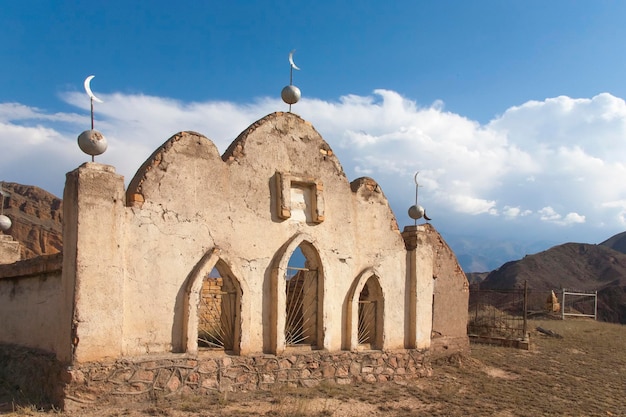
(264, 259)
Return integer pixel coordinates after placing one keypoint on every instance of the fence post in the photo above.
(595, 307)
(563, 304)
(525, 308)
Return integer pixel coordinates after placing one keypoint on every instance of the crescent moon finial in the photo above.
(91, 141)
(291, 94)
(294, 66)
(87, 85)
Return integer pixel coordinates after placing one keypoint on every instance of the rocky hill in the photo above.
(617, 242)
(37, 219)
(574, 266)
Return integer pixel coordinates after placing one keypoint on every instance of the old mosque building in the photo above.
(210, 272)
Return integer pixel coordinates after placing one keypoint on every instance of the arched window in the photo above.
(302, 298)
(296, 308)
(364, 313)
(218, 311)
(212, 313)
(370, 316)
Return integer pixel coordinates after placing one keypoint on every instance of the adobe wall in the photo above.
(30, 301)
(450, 298)
(189, 208)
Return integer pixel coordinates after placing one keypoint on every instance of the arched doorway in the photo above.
(303, 295)
(218, 310)
(212, 313)
(370, 315)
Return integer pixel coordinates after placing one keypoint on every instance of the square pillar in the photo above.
(419, 288)
(93, 273)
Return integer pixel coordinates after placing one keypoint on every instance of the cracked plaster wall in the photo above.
(187, 200)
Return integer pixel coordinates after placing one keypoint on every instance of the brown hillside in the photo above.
(617, 242)
(37, 219)
(574, 266)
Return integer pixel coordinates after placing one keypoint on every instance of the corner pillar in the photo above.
(93, 277)
(419, 288)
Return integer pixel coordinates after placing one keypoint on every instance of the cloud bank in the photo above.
(551, 169)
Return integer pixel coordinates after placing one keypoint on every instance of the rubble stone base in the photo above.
(35, 377)
(143, 378)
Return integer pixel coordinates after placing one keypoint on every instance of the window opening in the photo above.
(367, 318)
(301, 291)
(370, 320)
(217, 312)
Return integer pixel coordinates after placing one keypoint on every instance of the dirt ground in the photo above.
(581, 374)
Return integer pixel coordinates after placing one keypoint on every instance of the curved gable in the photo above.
(171, 157)
(367, 191)
(283, 138)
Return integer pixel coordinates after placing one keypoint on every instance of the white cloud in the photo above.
(560, 153)
(548, 214)
(572, 218)
(514, 212)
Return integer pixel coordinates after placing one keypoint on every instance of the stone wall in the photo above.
(143, 378)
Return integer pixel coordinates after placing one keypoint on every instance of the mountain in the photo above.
(37, 218)
(475, 278)
(481, 255)
(574, 266)
(617, 242)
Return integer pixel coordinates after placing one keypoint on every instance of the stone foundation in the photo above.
(143, 378)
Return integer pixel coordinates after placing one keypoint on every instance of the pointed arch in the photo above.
(223, 311)
(364, 312)
(297, 303)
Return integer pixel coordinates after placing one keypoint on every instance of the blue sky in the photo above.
(513, 112)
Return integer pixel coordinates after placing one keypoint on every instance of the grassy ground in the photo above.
(581, 374)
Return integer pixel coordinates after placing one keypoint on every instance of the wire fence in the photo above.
(497, 313)
(504, 314)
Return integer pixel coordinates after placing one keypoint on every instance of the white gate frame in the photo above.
(587, 294)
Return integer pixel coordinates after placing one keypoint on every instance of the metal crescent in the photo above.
(88, 89)
(291, 60)
(415, 177)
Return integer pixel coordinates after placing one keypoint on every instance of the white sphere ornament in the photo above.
(416, 212)
(290, 94)
(5, 223)
(92, 142)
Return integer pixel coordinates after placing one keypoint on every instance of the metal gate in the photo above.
(301, 306)
(367, 322)
(216, 314)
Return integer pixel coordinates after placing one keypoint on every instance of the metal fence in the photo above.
(497, 313)
(504, 314)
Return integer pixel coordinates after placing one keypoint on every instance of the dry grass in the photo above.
(582, 374)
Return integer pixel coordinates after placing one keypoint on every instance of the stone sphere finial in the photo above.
(5, 223)
(92, 142)
(290, 94)
(416, 212)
